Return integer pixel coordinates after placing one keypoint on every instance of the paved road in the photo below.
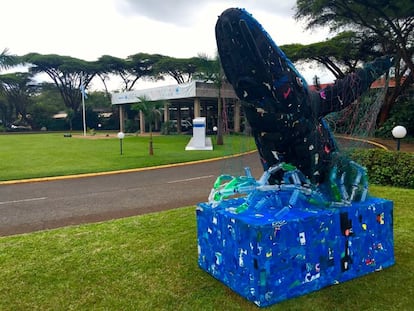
(41, 205)
(35, 206)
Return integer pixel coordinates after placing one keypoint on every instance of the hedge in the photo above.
(387, 168)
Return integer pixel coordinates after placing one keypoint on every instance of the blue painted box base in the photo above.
(268, 259)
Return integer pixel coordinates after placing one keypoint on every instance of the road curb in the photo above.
(377, 144)
(132, 170)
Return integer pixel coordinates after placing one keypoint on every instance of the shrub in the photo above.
(131, 126)
(402, 113)
(168, 128)
(388, 168)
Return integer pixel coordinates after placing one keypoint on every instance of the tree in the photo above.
(180, 69)
(340, 54)
(131, 69)
(67, 73)
(6, 109)
(209, 70)
(46, 103)
(151, 111)
(111, 65)
(388, 23)
(143, 65)
(7, 60)
(18, 89)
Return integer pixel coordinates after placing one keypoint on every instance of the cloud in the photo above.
(187, 12)
(180, 13)
(283, 8)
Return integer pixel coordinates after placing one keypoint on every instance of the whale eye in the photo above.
(299, 81)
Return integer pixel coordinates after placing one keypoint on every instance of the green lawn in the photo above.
(149, 262)
(44, 155)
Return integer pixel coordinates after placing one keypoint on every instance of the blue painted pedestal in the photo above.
(267, 257)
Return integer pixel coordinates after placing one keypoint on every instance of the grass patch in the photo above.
(149, 262)
(44, 155)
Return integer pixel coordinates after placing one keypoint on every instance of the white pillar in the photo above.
(199, 141)
(197, 107)
(166, 112)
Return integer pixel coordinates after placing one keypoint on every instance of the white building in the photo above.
(186, 101)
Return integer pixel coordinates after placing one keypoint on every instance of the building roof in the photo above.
(381, 82)
(377, 84)
(192, 89)
(203, 90)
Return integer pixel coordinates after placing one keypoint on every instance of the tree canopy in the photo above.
(131, 69)
(151, 110)
(389, 23)
(7, 60)
(340, 54)
(364, 30)
(18, 89)
(386, 26)
(180, 69)
(67, 73)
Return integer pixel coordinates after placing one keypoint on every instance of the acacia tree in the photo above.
(340, 54)
(388, 23)
(67, 73)
(180, 69)
(143, 65)
(131, 69)
(111, 65)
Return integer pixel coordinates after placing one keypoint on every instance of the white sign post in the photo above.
(199, 141)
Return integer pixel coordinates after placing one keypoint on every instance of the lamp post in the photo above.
(121, 136)
(399, 132)
(215, 131)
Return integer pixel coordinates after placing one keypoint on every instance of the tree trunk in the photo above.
(219, 120)
(386, 107)
(402, 83)
(389, 101)
(384, 113)
(151, 148)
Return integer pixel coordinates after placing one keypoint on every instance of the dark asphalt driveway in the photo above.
(26, 207)
(32, 206)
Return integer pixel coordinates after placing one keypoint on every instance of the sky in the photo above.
(88, 29)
